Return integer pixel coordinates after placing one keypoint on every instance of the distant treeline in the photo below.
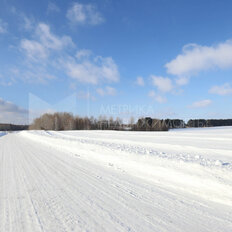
(209, 122)
(149, 124)
(11, 127)
(66, 121)
(156, 124)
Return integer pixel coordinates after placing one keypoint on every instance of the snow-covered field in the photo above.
(179, 180)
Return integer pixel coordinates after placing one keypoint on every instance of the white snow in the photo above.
(179, 180)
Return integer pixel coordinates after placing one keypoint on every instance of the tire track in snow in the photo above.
(51, 191)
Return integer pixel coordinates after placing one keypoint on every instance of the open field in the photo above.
(176, 181)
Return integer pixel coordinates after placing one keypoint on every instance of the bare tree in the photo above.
(66, 121)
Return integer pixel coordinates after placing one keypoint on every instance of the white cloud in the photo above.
(195, 58)
(36, 75)
(92, 71)
(84, 14)
(11, 113)
(152, 94)
(201, 104)
(182, 81)
(32, 73)
(6, 81)
(140, 81)
(28, 23)
(40, 49)
(34, 49)
(3, 27)
(225, 89)
(50, 40)
(164, 84)
(52, 7)
(107, 91)
(100, 91)
(83, 53)
(83, 67)
(25, 22)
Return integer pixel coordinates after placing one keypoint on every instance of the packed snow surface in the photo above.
(176, 181)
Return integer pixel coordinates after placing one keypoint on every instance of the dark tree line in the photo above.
(66, 121)
(12, 127)
(149, 124)
(209, 122)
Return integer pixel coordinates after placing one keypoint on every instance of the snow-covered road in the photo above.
(116, 181)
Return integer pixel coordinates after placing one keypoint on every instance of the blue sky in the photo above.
(159, 58)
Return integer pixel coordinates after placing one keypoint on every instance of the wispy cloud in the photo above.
(52, 7)
(182, 81)
(32, 73)
(28, 23)
(49, 49)
(3, 27)
(84, 14)
(83, 53)
(6, 80)
(158, 98)
(224, 89)
(164, 84)
(50, 40)
(33, 49)
(93, 70)
(25, 22)
(40, 48)
(140, 81)
(107, 91)
(201, 104)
